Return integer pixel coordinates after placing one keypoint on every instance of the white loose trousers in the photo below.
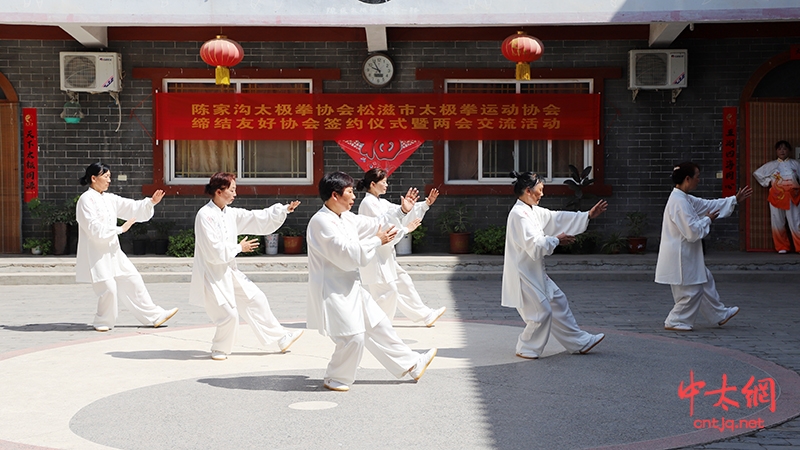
(384, 344)
(129, 289)
(545, 317)
(694, 298)
(253, 308)
(400, 294)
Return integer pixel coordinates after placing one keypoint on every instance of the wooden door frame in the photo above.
(10, 188)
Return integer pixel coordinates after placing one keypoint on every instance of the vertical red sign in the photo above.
(728, 151)
(30, 154)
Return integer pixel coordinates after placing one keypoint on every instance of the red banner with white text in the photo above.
(729, 151)
(366, 117)
(30, 154)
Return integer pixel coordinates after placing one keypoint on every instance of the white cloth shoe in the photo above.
(334, 385)
(101, 328)
(592, 342)
(165, 316)
(218, 356)
(678, 327)
(434, 316)
(732, 311)
(288, 339)
(425, 359)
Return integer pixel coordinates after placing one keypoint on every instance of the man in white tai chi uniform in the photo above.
(339, 243)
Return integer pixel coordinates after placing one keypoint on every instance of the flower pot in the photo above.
(36, 251)
(272, 244)
(293, 245)
(459, 243)
(637, 245)
(60, 238)
(404, 246)
(160, 246)
(139, 246)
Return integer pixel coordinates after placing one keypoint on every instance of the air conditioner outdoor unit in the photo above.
(90, 72)
(657, 69)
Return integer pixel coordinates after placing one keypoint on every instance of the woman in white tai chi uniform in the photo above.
(339, 244)
(533, 232)
(100, 260)
(389, 284)
(687, 220)
(782, 177)
(217, 283)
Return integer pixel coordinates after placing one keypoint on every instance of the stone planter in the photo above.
(459, 243)
(293, 245)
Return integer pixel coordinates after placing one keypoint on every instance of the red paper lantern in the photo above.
(522, 49)
(222, 53)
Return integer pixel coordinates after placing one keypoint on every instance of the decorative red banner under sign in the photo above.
(728, 151)
(386, 154)
(30, 154)
(366, 117)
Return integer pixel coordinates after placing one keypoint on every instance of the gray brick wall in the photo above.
(642, 139)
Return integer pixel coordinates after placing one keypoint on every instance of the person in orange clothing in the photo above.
(782, 177)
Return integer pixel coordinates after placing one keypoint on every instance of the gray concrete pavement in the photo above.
(159, 388)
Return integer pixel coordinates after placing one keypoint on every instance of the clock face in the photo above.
(378, 70)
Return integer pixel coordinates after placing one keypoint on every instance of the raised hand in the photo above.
(157, 196)
(565, 239)
(413, 225)
(743, 194)
(599, 208)
(386, 235)
(292, 206)
(713, 215)
(128, 224)
(248, 245)
(432, 196)
(407, 201)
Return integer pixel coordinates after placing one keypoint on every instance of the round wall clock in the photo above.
(378, 69)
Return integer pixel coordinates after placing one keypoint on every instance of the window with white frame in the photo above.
(254, 162)
(489, 162)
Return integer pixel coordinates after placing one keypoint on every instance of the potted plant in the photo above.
(614, 244)
(38, 246)
(163, 229)
(139, 231)
(418, 237)
(455, 222)
(585, 243)
(490, 240)
(182, 244)
(292, 240)
(578, 181)
(637, 221)
(60, 218)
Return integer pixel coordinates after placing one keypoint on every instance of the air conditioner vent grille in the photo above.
(651, 69)
(79, 71)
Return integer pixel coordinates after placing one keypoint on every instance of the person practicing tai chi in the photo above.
(101, 261)
(217, 283)
(389, 284)
(782, 177)
(341, 243)
(687, 220)
(533, 232)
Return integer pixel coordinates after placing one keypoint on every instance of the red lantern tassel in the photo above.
(523, 71)
(223, 75)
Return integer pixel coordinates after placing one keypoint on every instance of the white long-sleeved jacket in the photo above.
(338, 247)
(680, 254)
(530, 236)
(216, 247)
(382, 268)
(99, 255)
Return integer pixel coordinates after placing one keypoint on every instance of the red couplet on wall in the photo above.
(30, 154)
(728, 151)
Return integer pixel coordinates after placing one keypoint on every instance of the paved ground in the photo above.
(66, 386)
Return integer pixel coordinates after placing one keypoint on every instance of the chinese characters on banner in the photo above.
(367, 117)
(30, 154)
(728, 151)
(756, 393)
